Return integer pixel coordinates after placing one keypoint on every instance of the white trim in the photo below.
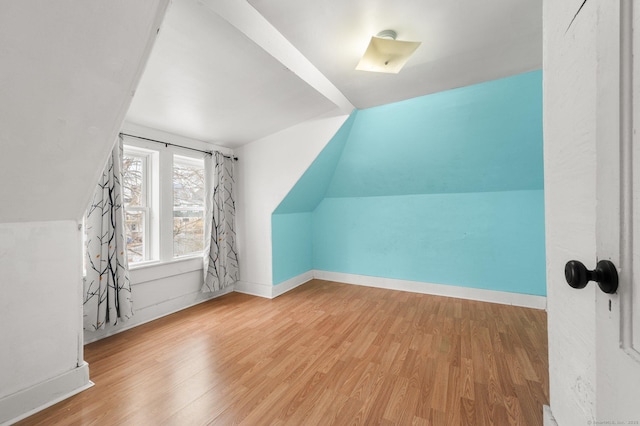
(27, 402)
(158, 188)
(272, 291)
(547, 416)
(482, 295)
(155, 271)
(254, 289)
(291, 283)
(154, 312)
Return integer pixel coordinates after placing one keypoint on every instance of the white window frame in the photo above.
(149, 210)
(159, 228)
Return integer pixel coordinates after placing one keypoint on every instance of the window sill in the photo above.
(150, 271)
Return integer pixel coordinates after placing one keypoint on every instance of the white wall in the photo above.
(41, 305)
(267, 170)
(69, 69)
(570, 173)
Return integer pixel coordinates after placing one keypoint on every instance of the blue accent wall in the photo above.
(445, 188)
(488, 240)
(481, 138)
(291, 245)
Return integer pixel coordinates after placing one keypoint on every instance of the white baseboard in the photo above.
(547, 416)
(272, 291)
(153, 312)
(482, 295)
(503, 297)
(291, 283)
(254, 289)
(25, 403)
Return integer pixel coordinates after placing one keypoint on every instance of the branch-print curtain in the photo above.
(221, 254)
(107, 290)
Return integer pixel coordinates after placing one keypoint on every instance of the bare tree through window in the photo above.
(188, 205)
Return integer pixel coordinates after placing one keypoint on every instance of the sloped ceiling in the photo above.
(68, 72)
(231, 71)
(206, 80)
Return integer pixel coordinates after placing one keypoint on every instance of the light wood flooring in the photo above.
(323, 353)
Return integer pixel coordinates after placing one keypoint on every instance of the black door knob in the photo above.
(605, 274)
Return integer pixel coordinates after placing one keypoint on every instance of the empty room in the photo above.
(311, 213)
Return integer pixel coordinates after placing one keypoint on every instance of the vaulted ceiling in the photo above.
(231, 71)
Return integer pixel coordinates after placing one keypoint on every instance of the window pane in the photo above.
(135, 192)
(133, 178)
(134, 227)
(188, 232)
(188, 205)
(188, 182)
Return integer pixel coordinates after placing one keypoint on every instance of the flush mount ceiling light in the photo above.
(386, 54)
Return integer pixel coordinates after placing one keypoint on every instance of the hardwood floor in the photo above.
(324, 353)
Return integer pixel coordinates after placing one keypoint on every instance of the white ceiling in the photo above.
(214, 76)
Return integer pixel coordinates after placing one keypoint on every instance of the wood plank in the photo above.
(323, 353)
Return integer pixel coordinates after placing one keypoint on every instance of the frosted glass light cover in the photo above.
(386, 55)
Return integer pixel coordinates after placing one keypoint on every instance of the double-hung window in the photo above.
(164, 194)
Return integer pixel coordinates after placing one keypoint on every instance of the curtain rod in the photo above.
(179, 146)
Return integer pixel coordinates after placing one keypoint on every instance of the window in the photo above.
(188, 205)
(135, 189)
(164, 202)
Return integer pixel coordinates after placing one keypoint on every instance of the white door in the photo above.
(618, 211)
(589, 117)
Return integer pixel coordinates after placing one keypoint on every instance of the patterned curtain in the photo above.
(221, 255)
(107, 290)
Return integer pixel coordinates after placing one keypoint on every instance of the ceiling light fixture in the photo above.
(386, 54)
